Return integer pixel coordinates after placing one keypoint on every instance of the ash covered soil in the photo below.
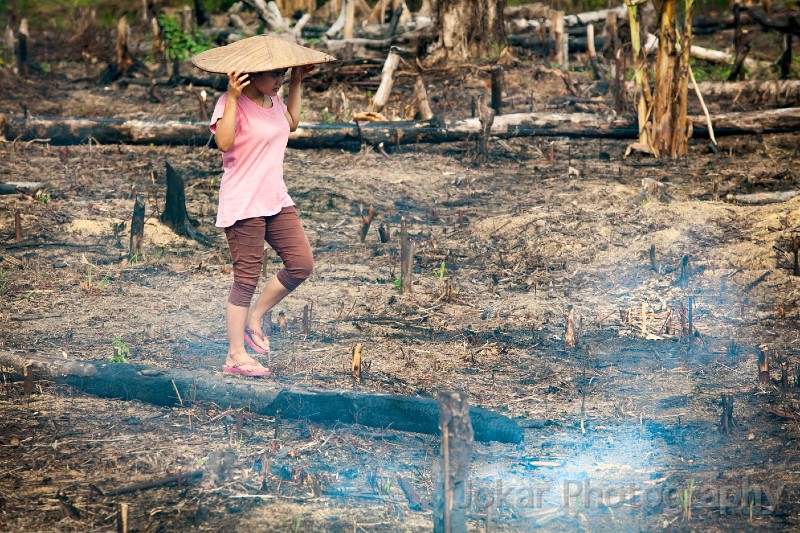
(503, 251)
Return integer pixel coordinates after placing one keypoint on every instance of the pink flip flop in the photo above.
(238, 369)
(249, 339)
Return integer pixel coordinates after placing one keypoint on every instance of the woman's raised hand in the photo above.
(237, 81)
(301, 73)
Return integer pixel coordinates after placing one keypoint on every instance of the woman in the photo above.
(251, 126)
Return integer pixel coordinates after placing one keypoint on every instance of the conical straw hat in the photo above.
(258, 54)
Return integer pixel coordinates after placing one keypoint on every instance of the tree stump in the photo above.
(421, 99)
(387, 79)
(137, 228)
(451, 494)
(174, 214)
(763, 367)
(22, 65)
(486, 117)
(570, 331)
(497, 88)
(727, 424)
(365, 223)
(383, 232)
(406, 258)
(17, 226)
(355, 367)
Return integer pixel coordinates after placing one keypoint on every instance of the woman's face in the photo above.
(269, 82)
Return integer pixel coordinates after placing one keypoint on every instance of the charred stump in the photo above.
(355, 367)
(383, 232)
(570, 331)
(740, 45)
(727, 423)
(452, 467)
(421, 100)
(365, 223)
(785, 61)
(406, 258)
(763, 367)
(17, 226)
(497, 88)
(22, 65)
(137, 228)
(785, 385)
(174, 214)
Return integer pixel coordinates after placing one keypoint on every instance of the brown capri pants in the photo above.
(284, 233)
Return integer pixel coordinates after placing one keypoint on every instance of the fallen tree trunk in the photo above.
(776, 92)
(762, 198)
(158, 387)
(345, 135)
(707, 54)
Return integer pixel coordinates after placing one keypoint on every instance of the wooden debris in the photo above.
(415, 502)
(160, 482)
(655, 190)
(369, 116)
(452, 467)
(380, 410)
(269, 14)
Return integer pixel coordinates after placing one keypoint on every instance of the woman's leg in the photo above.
(284, 232)
(246, 242)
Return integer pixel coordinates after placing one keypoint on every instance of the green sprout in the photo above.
(121, 351)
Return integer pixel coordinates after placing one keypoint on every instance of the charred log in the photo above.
(320, 135)
(155, 386)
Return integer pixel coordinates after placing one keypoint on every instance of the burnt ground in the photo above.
(633, 415)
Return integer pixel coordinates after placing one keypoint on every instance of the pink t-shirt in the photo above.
(252, 183)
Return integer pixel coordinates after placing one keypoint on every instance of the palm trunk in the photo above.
(670, 127)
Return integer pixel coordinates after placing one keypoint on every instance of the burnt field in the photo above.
(672, 295)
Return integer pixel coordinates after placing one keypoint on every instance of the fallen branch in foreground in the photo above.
(343, 135)
(180, 387)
